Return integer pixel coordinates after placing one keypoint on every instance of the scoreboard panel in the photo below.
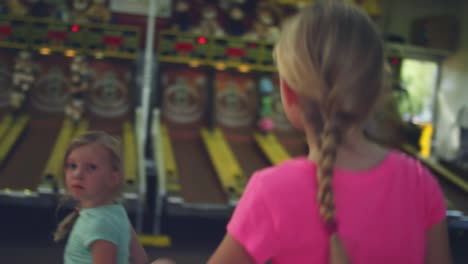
(56, 36)
(14, 32)
(218, 52)
(183, 48)
(266, 56)
(112, 41)
(235, 52)
(53, 35)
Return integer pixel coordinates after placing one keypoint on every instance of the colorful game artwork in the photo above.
(109, 95)
(279, 117)
(235, 100)
(48, 93)
(80, 78)
(184, 95)
(23, 78)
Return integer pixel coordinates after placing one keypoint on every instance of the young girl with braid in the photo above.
(349, 200)
(99, 229)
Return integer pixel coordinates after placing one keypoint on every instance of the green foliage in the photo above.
(419, 80)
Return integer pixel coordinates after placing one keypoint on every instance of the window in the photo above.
(419, 79)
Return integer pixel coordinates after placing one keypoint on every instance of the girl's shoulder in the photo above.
(409, 170)
(104, 214)
(292, 172)
(108, 219)
(406, 163)
(288, 167)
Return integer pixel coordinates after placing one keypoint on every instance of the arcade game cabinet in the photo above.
(66, 76)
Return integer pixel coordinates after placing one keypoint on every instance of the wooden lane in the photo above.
(198, 180)
(23, 167)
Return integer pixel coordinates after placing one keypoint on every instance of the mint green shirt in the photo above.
(109, 222)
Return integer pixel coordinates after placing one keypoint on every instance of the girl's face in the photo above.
(89, 175)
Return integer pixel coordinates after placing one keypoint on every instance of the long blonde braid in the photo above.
(329, 142)
(330, 126)
(65, 226)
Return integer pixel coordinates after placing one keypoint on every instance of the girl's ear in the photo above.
(291, 106)
(288, 94)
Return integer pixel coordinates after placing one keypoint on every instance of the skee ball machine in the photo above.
(204, 131)
(31, 117)
(110, 50)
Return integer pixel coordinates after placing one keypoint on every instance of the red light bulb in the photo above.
(75, 28)
(201, 40)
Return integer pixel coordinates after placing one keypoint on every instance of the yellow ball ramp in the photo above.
(225, 163)
(129, 153)
(12, 131)
(271, 147)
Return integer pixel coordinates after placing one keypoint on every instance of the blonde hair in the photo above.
(331, 54)
(112, 145)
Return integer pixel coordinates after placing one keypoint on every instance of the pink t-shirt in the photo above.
(382, 214)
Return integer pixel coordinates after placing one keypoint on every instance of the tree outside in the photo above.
(419, 79)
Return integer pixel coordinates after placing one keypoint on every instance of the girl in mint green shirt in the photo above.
(99, 229)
